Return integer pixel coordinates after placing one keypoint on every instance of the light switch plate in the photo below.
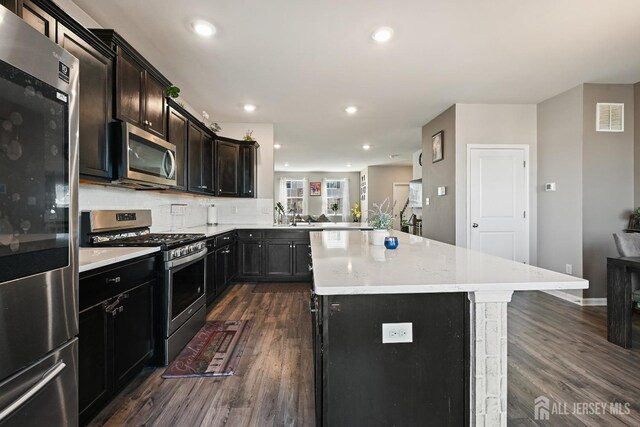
(427, 202)
(442, 191)
(397, 333)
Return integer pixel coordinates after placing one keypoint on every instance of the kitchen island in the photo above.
(441, 358)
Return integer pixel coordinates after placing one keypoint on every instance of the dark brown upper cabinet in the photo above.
(96, 80)
(228, 167)
(200, 160)
(95, 103)
(139, 87)
(177, 132)
(248, 169)
(12, 5)
(37, 17)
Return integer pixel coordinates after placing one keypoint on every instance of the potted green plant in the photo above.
(356, 213)
(248, 136)
(381, 220)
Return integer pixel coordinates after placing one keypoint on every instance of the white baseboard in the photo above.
(576, 299)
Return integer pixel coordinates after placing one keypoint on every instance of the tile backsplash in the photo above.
(194, 213)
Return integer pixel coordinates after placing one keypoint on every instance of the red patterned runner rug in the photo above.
(214, 351)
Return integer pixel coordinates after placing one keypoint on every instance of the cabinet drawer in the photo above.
(287, 234)
(249, 234)
(225, 239)
(108, 283)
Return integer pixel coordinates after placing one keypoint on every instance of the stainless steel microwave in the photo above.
(143, 160)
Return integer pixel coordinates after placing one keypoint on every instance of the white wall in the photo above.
(78, 14)
(417, 169)
(495, 124)
(315, 202)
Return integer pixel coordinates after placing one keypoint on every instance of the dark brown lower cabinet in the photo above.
(250, 258)
(225, 266)
(274, 255)
(301, 260)
(278, 258)
(361, 381)
(116, 335)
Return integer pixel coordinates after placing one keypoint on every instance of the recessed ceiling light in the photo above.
(366, 146)
(277, 146)
(382, 34)
(348, 165)
(249, 108)
(204, 28)
(286, 164)
(351, 109)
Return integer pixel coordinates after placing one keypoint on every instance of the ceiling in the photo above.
(301, 62)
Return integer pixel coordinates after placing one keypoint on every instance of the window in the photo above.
(294, 195)
(335, 196)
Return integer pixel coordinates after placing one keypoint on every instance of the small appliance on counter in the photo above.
(212, 215)
(38, 228)
(184, 258)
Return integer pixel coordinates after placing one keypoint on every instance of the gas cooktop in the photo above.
(164, 240)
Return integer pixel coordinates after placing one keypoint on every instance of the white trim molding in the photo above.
(584, 302)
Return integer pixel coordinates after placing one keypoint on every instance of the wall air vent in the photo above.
(609, 117)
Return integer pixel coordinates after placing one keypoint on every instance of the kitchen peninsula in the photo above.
(416, 335)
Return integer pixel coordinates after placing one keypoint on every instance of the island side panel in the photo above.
(366, 382)
(489, 358)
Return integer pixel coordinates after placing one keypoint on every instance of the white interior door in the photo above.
(498, 202)
(400, 198)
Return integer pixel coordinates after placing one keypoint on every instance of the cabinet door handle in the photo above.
(310, 267)
(226, 238)
(113, 279)
(150, 124)
(259, 246)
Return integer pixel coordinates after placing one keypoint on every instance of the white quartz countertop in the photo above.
(212, 230)
(92, 258)
(344, 262)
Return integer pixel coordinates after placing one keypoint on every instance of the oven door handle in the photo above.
(185, 260)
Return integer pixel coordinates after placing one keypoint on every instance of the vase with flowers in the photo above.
(381, 220)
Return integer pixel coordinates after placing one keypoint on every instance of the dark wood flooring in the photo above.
(556, 349)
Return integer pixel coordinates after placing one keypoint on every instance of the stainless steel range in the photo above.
(183, 293)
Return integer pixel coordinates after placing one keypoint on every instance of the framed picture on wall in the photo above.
(437, 146)
(315, 188)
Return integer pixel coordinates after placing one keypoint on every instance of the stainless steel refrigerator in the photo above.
(38, 228)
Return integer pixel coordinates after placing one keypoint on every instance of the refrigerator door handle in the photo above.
(49, 376)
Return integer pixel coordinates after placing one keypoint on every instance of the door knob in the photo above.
(474, 225)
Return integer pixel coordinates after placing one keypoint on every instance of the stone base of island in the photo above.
(451, 368)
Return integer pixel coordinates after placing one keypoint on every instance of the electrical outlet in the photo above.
(427, 201)
(397, 332)
(569, 269)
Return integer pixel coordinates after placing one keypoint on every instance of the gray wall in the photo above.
(607, 182)
(560, 161)
(495, 124)
(439, 218)
(381, 179)
(315, 202)
(636, 156)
